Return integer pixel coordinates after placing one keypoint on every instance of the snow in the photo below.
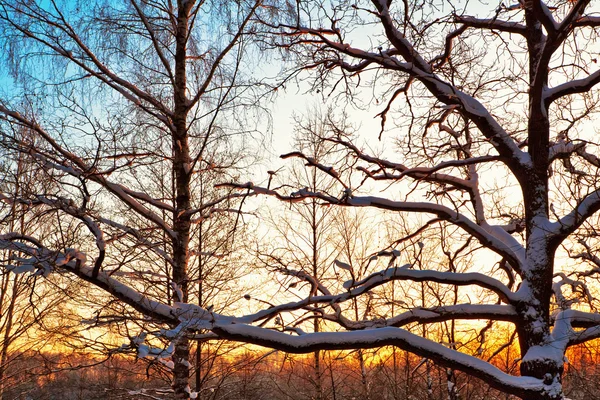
(143, 351)
(559, 148)
(46, 260)
(143, 393)
(342, 265)
(572, 86)
(576, 216)
(177, 291)
(26, 267)
(550, 352)
(192, 394)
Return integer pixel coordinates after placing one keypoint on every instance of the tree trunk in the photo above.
(7, 339)
(181, 217)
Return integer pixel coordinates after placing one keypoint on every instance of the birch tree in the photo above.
(114, 95)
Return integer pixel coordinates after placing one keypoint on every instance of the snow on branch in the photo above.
(492, 23)
(576, 86)
(492, 237)
(419, 315)
(416, 67)
(570, 222)
(426, 315)
(562, 301)
(447, 93)
(416, 315)
(455, 312)
(564, 322)
(580, 319)
(67, 206)
(73, 261)
(585, 335)
(310, 161)
(544, 15)
(587, 20)
(372, 338)
(450, 278)
(553, 348)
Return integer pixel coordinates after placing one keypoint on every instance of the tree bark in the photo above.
(181, 215)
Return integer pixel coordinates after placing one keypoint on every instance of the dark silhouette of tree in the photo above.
(491, 114)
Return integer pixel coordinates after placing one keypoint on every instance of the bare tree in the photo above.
(491, 112)
(28, 303)
(129, 106)
(301, 239)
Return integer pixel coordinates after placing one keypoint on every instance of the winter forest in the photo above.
(309, 199)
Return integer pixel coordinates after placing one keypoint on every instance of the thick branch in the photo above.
(373, 338)
(572, 87)
(570, 222)
(74, 262)
(493, 24)
(449, 278)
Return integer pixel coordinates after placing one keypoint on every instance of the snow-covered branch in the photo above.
(494, 238)
(570, 222)
(572, 87)
(562, 301)
(415, 66)
(515, 158)
(543, 14)
(73, 261)
(566, 320)
(68, 207)
(310, 161)
(372, 338)
(451, 278)
(492, 23)
(587, 20)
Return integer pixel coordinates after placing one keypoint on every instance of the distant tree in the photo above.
(28, 303)
(301, 240)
